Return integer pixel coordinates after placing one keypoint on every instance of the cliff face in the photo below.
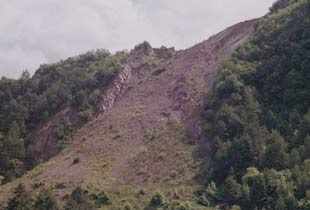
(118, 85)
(139, 135)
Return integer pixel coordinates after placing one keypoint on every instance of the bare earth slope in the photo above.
(139, 138)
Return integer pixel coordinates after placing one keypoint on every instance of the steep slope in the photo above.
(258, 117)
(39, 114)
(141, 137)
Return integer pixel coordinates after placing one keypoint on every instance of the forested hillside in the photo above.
(258, 117)
(28, 102)
(184, 130)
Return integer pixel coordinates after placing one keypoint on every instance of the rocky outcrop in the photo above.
(142, 116)
(138, 56)
(118, 85)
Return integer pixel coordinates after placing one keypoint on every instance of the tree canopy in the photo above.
(257, 115)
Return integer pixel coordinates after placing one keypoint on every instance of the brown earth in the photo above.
(139, 137)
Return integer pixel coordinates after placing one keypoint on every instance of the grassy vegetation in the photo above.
(257, 121)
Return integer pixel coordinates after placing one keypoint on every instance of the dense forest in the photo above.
(30, 101)
(258, 117)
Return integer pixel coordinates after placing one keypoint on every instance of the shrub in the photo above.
(102, 198)
(80, 199)
(158, 71)
(45, 201)
(37, 185)
(128, 206)
(158, 199)
(86, 115)
(1, 179)
(76, 161)
(84, 200)
(60, 185)
(177, 205)
(21, 200)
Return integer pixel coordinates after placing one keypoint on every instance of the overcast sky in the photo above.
(33, 32)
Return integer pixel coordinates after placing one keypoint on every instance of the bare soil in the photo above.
(137, 140)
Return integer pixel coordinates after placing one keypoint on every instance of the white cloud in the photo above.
(33, 32)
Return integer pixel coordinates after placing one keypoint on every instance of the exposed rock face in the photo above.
(158, 89)
(138, 56)
(117, 86)
(46, 145)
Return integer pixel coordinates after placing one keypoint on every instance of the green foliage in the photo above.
(128, 206)
(1, 179)
(177, 205)
(209, 196)
(60, 185)
(235, 207)
(37, 185)
(62, 131)
(253, 189)
(230, 190)
(86, 114)
(84, 200)
(80, 199)
(258, 115)
(101, 198)
(276, 155)
(158, 199)
(45, 201)
(280, 4)
(30, 101)
(21, 200)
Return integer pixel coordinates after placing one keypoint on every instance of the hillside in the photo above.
(39, 114)
(222, 125)
(143, 135)
(257, 116)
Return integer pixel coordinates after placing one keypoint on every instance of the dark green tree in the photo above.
(230, 191)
